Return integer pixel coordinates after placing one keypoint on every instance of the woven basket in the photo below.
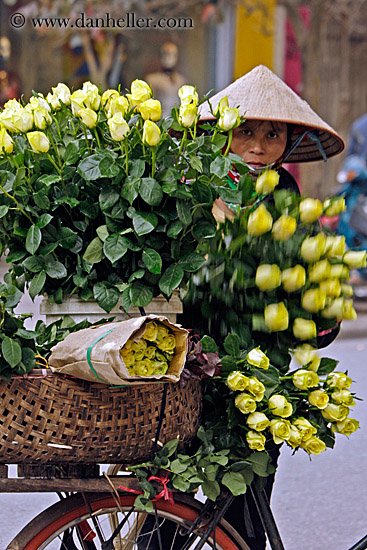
(60, 419)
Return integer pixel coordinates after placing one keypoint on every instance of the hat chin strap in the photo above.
(256, 170)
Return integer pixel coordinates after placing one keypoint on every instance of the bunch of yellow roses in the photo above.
(150, 354)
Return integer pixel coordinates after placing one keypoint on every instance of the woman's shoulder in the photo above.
(287, 181)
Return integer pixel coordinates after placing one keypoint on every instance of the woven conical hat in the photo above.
(261, 95)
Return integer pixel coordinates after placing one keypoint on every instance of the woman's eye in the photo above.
(272, 135)
(246, 132)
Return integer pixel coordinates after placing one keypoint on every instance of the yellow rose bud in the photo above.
(159, 367)
(258, 359)
(223, 103)
(313, 300)
(128, 357)
(256, 388)
(38, 141)
(343, 397)
(293, 278)
(151, 331)
(23, 120)
(237, 381)
(259, 221)
(92, 100)
(13, 104)
(307, 356)
(334, 309)
(6, 142)
(346, 290)
(310, 210)
(117, 105)
(6, 120)
(62, 93)
(245, 403)
(335, 413)
(150, 109)
(88, 117)
(144, 368)
(304, 379)
(267, 182)
(355, 259)
(53, 101)
(151, 133)
(139, 345)
(284, 228)
(37, 103)
(255, 441)
(295, 437)
(257, 421)
(313, 248)
(118, 126)
(140, 91)
(279, 406)
(229, 119)
(303, 329)
(319, 271)
(162, 333)
(188, 94)
(107, 97)
(168, 343)
(335, 246)
(280, 430)
(346, 426)
(349, 312)
(305, 428)
(268, 277)
(150, 352)
(318, 398)
(331, 287)
(313, 446)
(276, 317)
(339, 380)
(77, 100)
(333, 207)
(187, 115)
(41, 118)
(89, 87)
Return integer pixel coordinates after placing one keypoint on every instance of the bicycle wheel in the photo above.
(69, 525)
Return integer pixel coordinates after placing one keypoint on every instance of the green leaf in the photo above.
(209, 345)
(94, 251)
(150, 191)
(34, 264)
(260, 462)
(125, 299)
(171, 279)
(326, 366)
(26, 334)
(196, 163)
(33, 239)
(106, 295)
(28, 359)
(3, 210)
(184, 212)
(144, 504)
(170, 447)
(102, 232)
(12, 293)
(235, 483)
(89, 167)
(269, 377)
(114, 247)
(55, 269)
(44, 220)
(152, 260)
(232, 345)
(177, 467)
(140, 294)
(211, 489)
(136, 168)
(37, 283)
(108, 197)
(220, 166)
(130, 189)
(192, 261)
(204, 230)
(230, 195)
(144, 222)
(48, 179)
(42, 201)
(181, 484)
(12, 352)
(174, 229)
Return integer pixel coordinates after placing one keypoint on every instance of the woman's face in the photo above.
(259, 142)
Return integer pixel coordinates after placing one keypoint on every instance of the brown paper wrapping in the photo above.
(70, 355)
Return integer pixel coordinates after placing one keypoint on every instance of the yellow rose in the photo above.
(150, 352)
(276, 317)
(92, 100)
(259, 221)
(313, 248)
(331, 287)
(335, 413)
(187, 114)
(223, 103)
(279, 406)
(305, 428)
(318, 398)
(188, 93)
(310, 210)
(151, 331)
(77, 100)
(88, 117)
(140, 91)
(6, 120)
(319, 271)
(346, 290)
(267, 182)
(257, 358)
(293, 278)
(255, 441)
(313, 445)
(143, 368)
(151, 133)
(229, 119)
(13, 105)
(23, 120)
(162, 333)
(41, 118)
(334, 309)
(38, 141)
(335, 245)
(343, 397)
(245, 403)
(348, 310)
(237, 381)
(280, 430)
(339, 271)
(268, 276)
(339, 380)
(159, 367)
(62, 93)
(313, 300)
(168, 343)
(118, 126)
(334, 206)
(117, 105)
(303, 329)
(355, 259)
(284, 228)
(256, 388)
(53, 101)
(307, 356)
(346, 426)
(128, 357)
(6, 142)
(295, 437)
(37, 103)
(257, 421)
(108, 96)
(150, 109)
(304, 379)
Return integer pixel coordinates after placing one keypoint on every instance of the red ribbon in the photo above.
(164, 493)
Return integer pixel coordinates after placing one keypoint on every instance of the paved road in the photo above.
(319, 504)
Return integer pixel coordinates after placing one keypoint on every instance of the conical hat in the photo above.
(261, 95)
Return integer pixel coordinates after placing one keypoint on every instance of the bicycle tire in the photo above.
(47, 529)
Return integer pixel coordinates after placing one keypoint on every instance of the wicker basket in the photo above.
(60, 419)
